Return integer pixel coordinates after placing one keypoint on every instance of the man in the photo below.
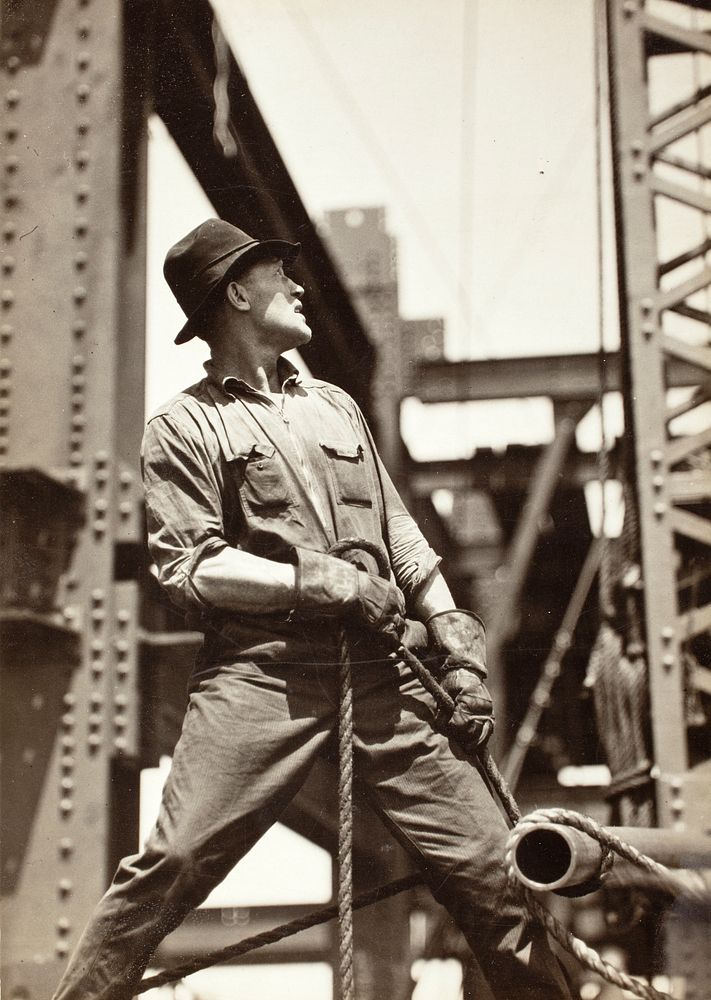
(251, 476)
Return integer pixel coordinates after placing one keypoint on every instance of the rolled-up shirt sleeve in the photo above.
(183, 504)
(412, 559)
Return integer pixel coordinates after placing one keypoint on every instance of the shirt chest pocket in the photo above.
(349, 476)
(262, 478)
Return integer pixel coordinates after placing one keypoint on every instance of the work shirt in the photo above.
(227, 465)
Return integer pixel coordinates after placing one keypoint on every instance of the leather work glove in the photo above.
(460, 637)
(330, 586)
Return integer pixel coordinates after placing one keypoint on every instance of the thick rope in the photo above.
(235, 951)
(345, 821)
(686, 884)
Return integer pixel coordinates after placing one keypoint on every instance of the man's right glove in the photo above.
(330, 586)
(460, 637)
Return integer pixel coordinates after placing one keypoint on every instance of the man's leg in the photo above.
(439, 807)
(248, 741)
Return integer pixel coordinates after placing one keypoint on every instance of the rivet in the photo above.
(11, 133)
(646, 305)
(81, 227)
(67, 762)
(123, 670)
(8, 297)
(97, 596)
(83, 60)
(123, 617)
(101, 459)
(78, 420)
(68, 720)
(28, 756)
(66, 846)
(67, 784)
(69, 699)
(11, 164)
(8, 231)
(121, 744)
(667, 633)
(63, 925)
(125, 508)
(68, 742)
(660, 508)
(13, 98)
(82, 159)
(6, 332)
(84, 29)
(82, 193)
(122, 647)
(95, 720)
(656, 456)
(13, 64)
(120, 701)
(8, 265)
(94, 741)
(79, 294)
(4, 407)
(120, 722)
(678, 806)
(11, 199)
(125, 479)
(78, 362)
(76, 458)
(66, 806)
(80, 260)
(98, 615)
(61, 949)
(657, 482)
(65, 886)
(78, 383)
(76, 439)
(83, 91)
(629, 8)
(668, 660)
(96, 699)
(5, 367)
(97, 647)
(101, 477)
(648, 330)
(101, 506)
(97, 670)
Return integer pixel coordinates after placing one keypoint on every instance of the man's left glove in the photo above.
(461, 638)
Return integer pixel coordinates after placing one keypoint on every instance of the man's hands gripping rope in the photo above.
(455, 640)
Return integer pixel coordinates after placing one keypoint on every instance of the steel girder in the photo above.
(663, 219)
(71, 392)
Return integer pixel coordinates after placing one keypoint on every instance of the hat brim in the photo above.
(242, 258)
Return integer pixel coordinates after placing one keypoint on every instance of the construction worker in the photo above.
(251, 475)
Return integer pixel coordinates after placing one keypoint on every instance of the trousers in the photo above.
(250, 736)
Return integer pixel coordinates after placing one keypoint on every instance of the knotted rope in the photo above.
(690, 885)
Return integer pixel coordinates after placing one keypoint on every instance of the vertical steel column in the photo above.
(70, 177)
(652, 175)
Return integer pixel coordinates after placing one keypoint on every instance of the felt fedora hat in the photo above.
(196, 265)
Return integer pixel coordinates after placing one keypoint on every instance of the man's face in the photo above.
(275, 304)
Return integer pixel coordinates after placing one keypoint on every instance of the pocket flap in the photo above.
(344, 449)
(263, 448)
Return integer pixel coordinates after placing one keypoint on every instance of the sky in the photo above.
(471, 121)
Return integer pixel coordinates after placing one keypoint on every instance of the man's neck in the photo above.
(259, 371)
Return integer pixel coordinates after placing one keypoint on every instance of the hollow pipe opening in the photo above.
(543, 857)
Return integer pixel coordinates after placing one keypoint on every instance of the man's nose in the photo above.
(295, 288)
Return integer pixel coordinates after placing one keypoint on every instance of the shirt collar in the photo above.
(230, 382)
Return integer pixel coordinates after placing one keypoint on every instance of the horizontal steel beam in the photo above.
(560, 377)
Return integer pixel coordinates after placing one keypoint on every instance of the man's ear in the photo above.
(237, 296)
